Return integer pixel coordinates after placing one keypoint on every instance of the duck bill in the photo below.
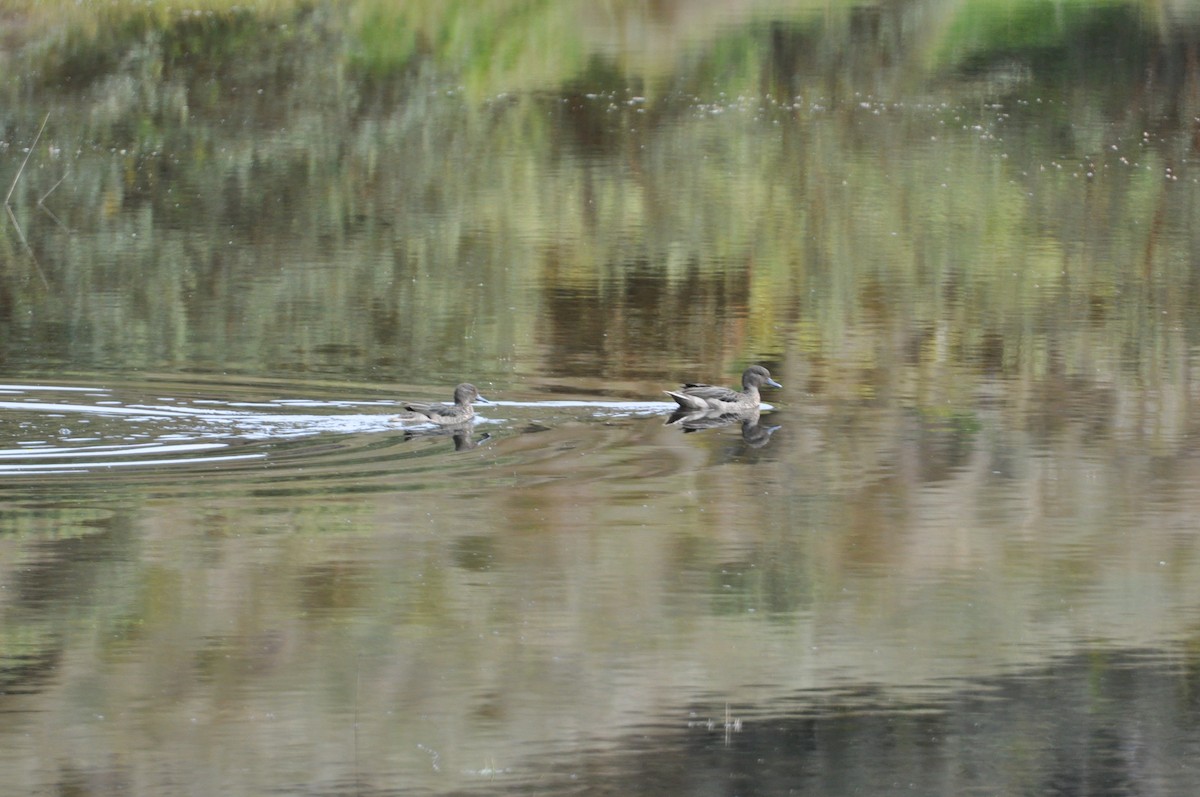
(773, 383)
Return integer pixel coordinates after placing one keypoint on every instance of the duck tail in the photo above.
(685, 401)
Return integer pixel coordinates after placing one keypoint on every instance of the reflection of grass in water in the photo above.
(483, 45)
(28, 651)
(86, 42)
(991, 27)
(515, 45)
(91, 17)
(817, 231)
(32, 520)
(508, 45)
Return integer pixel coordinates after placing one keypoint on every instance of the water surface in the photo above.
(956, 554)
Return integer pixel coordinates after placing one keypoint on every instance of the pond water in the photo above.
(957, 552)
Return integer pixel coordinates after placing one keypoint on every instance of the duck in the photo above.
(707, 398)
(459, 412)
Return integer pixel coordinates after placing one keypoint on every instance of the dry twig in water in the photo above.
(8, 198)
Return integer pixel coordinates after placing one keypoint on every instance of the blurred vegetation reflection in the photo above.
(377, 187)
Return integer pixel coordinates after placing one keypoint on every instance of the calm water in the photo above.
(958, 553)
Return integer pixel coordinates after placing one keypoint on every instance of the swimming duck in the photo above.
(695, 397)
(460, 411)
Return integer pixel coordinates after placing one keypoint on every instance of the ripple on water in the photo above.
(286, 446)
(57, 431)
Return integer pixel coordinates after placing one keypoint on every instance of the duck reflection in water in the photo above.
(463, 435)
(755, 433)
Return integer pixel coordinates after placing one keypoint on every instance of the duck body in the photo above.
(694, 397)
(459, 412)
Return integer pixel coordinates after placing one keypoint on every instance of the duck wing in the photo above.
(700, 397)
(431, 410)
(711, 392)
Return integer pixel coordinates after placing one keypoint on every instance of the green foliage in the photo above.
(1077, 41)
